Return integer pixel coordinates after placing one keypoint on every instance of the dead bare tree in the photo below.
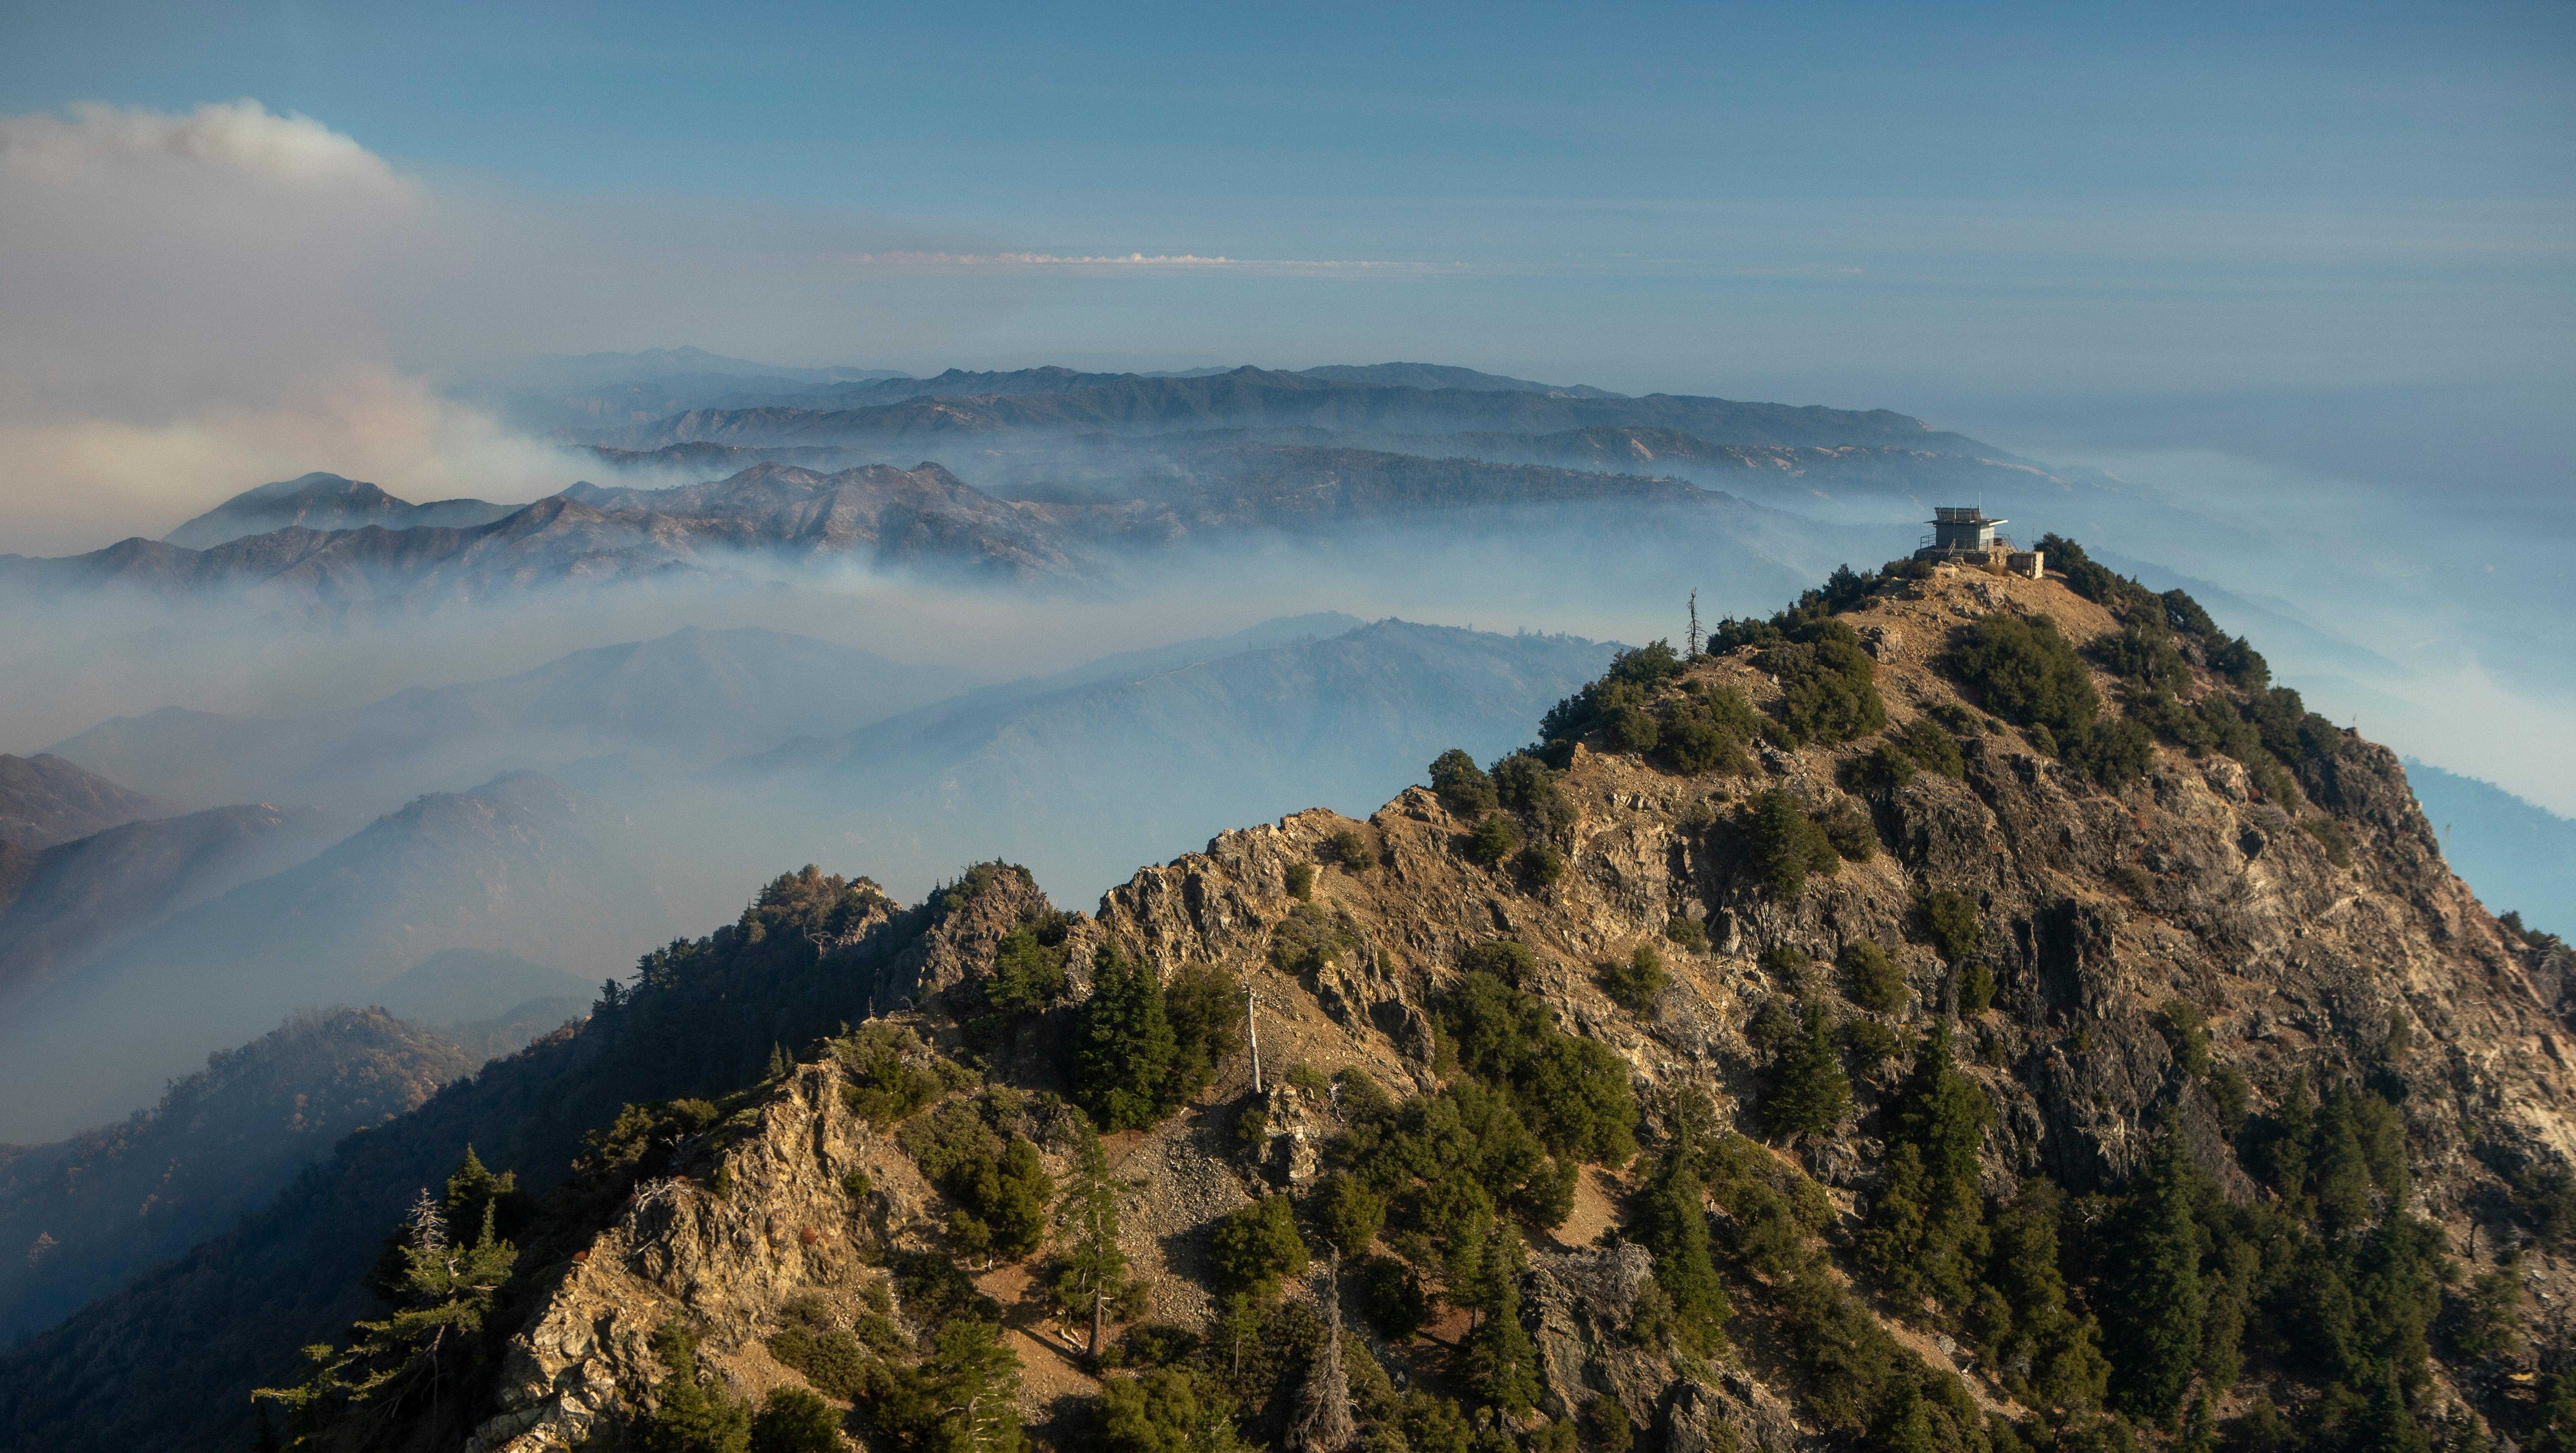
(1323, 1422)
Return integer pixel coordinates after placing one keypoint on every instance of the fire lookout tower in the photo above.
(1963, 535)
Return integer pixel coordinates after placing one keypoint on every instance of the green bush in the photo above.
(1301, 881)
(2025, 672)
(1391, 1297)
(1686, 933)
(999, 1187)
(1346, 1214)
(1871, 978)
(1976, 989)
(1949, 921)
(1634, 983)
(792, 1420)
(1828, 685)
(2145, 655)
(1503, 958)
(689, 1416)
(1540, 865)
(1786, 844)
(1462, 785)
(1528, 786)
(1345, 849)
(892, 1074)
(2112, 753)
(1574, 1092)
(1493, 840)
(1257, 1247)
(1848, 828)
(1164, 1410)
(2186, 1035)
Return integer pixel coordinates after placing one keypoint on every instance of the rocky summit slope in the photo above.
(1891, 1029)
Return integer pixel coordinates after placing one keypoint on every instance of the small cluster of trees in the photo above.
(1786, 844)
(1517, 812)
(1142, 1049)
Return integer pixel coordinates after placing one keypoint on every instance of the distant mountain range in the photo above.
(692, 696)
(521, 864)
(1080, 776)
(1060, 480)
(2521, 857)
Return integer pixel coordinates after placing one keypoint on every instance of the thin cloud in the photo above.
(1179, 261)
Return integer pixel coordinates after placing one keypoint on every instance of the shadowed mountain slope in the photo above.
(79, 899)
(85, 1215)
(46, 799)
(520, 864)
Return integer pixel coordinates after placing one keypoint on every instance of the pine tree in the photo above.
(778, 1062)
(1124, 1048)
(977, 1378)
(1810, 1094)
(687, 1416)
(1672, 1222)
(2157, 1303)
(1091, 1269)
(1502, 1364)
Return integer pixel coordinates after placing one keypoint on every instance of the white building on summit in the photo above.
(1963, 535)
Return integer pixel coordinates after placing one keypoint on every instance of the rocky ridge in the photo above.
(2342, 951)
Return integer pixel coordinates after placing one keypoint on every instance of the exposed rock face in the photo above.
(725, 1254)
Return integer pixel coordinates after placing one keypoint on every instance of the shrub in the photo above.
(1603, 1425)
(1503, 958)
(1462, 785)
(1257, 1247)
(2145, 655)
(1617, 703)
(1705, 730)
(2331, 837)
(1828, 685)
(1540, 865)
(792, 1420)
(1301, 881)
(1391, 1297)
(2186, 1034)
(1574, 1091)
(1163, 1410)
(1949, 922)
(1346, 850)
(886, 1086)
(2025, 672)
(1347, 1214)
(2112, 753)
(1976, 989)
(1493, 840)
(999, 1188)
(1849, 829)
(1686, 934)
(1527, 785)
(1871, 978)
(1786, 844)
(1635, 982)
(1309, 938)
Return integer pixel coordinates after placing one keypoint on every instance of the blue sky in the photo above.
(2323, 235)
